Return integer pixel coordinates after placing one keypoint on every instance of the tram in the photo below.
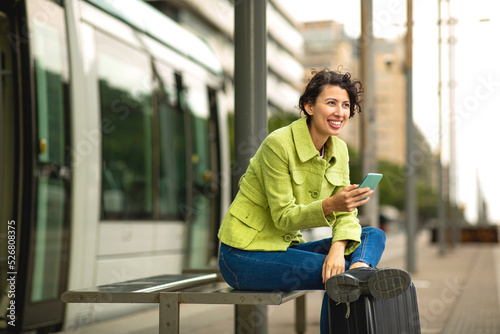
(114, 154)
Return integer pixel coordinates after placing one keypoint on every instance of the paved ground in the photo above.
(458, 293)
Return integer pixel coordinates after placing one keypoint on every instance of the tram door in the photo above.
(8, 174)
(46, 203)
(204, 197)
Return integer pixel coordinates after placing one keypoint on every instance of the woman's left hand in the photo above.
(335, 262)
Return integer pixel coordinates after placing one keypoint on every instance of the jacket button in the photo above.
(287, 238)
(315, 194)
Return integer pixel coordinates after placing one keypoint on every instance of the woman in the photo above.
(299, 179)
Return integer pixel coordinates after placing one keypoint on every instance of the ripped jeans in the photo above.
(297, 268)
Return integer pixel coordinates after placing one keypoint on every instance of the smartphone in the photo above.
(371, 180)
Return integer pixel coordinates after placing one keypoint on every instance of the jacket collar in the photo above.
(304, 144)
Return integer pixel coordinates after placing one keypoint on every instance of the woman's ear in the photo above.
(308, 108)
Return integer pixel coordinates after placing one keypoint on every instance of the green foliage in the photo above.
(281, 120)
(392, 186)
(427, 201)
(355, 166)
(392, 189)
(274, 122)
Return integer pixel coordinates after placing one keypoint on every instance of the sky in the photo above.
(477, 80)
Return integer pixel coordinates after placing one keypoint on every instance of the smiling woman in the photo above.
(299, 179)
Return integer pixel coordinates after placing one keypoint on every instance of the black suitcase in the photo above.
(367, 315)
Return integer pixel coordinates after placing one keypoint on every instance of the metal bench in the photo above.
(169, 291)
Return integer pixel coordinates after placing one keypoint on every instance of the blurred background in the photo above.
(119, 137)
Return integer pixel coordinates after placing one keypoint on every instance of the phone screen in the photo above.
(371, 180)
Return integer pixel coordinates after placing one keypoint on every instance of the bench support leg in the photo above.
(300, 314)
(169, 313)
(250, 319)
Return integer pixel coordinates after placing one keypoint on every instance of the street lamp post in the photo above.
(411, 205)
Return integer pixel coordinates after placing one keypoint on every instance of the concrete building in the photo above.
(326, 45)
(390, 99)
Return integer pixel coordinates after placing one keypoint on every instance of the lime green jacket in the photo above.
(282, 191)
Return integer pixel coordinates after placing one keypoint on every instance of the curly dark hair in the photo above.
(326, 77)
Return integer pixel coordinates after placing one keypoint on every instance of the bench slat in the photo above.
(228, 295)
(139, 290)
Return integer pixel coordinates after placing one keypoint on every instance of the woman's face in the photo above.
(329, 114)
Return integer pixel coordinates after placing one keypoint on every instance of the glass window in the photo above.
(197, 103)
(51, 77)
(127, 141)
(48, 239)
(171, 145)
(196, 94)
(52, 192)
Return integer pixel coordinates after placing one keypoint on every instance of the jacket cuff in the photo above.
(352, 233)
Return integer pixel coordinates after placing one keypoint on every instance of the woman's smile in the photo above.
(335, 124)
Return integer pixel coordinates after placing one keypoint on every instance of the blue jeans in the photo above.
(297, 268)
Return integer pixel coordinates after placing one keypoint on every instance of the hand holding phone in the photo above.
(371, 180)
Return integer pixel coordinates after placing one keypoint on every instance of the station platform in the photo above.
(458, 293)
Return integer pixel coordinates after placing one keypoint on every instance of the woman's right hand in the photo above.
(347, 200)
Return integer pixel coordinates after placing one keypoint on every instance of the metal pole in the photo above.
(250, 319)
(441, 208)
(452, 165)
(250, 73)
(411, 201)
(369, 211)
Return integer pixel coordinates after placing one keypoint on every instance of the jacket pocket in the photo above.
(335, 178)
(299, 176)
(250, 215)
(242, 224)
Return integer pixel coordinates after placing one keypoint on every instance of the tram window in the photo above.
(48, 244)
(198, 106)
(47, 36)
(127, 150)
(203, 171)
(51, 82)
(171, 145)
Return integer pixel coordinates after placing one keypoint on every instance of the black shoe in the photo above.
(380, 283)
(388, 283)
